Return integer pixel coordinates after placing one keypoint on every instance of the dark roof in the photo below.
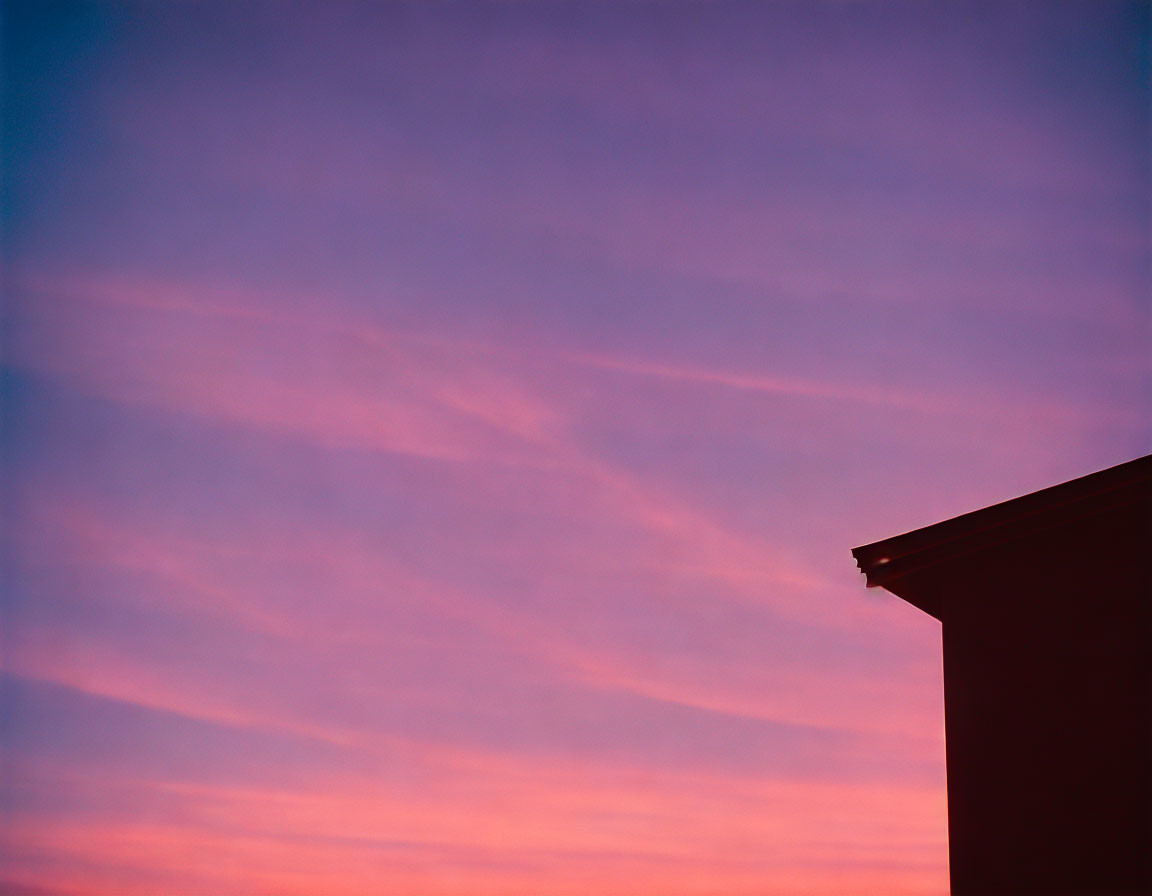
(884, 562)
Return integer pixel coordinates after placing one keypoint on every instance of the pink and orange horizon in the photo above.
(435, 433)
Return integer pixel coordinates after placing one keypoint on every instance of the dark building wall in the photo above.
(1048, 709)
(1046, 607)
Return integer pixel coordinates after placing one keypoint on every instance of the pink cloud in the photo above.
(510, 826)
(238, 581)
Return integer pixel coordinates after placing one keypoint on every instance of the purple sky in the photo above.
(434, 434)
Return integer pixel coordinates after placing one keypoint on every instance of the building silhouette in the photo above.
(1046, 610)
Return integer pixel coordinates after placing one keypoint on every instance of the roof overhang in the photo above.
(896, 563)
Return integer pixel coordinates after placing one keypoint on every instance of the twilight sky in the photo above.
(435, 433)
